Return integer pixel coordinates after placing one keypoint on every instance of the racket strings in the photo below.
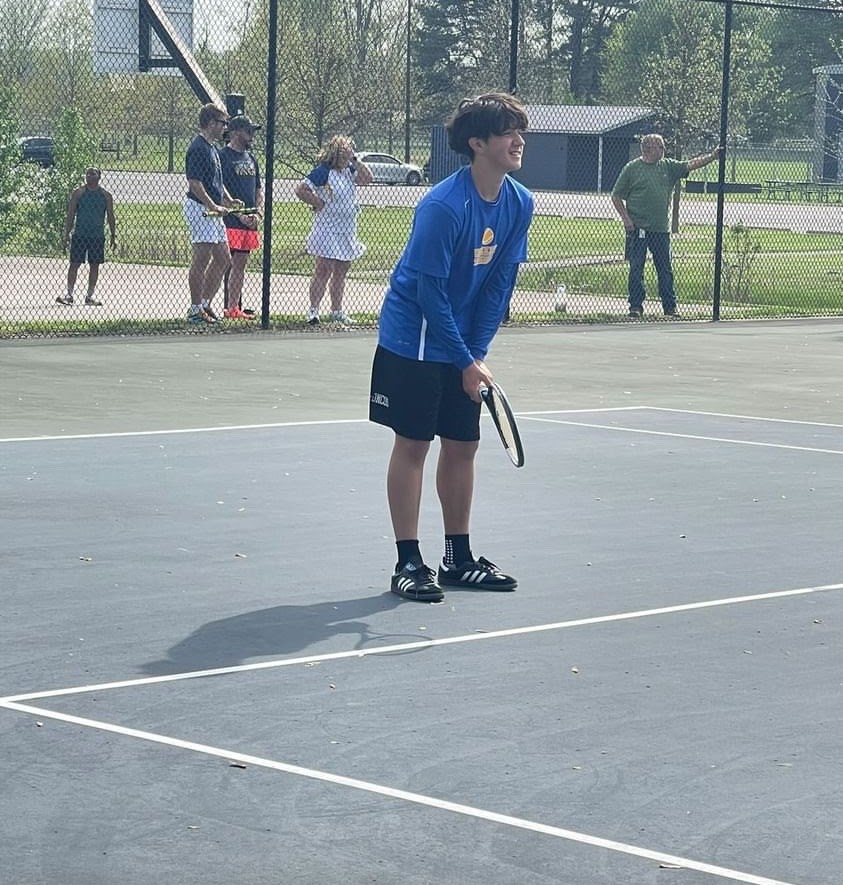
(505, 423)
(507, 431)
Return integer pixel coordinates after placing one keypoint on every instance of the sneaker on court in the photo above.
(636, 313)
(200, 318)
(90, 301)
(417, 581)
(64, 299)
(313, 317)
(235, 313)
(340, 316)
(479, 574)
(210, 316)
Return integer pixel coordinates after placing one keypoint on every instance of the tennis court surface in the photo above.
(204, 678)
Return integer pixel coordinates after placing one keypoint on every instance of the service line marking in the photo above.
(719, 439)
(535, 414)
(421, 644)
(799, 421)
(226, 428)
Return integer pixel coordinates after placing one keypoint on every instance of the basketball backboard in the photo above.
(116, 35)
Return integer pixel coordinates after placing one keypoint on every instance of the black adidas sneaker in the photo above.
(478, 574)
(417, 581)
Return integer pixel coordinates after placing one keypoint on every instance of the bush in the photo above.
(75, 150)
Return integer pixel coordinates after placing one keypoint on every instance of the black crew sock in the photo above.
(457, 550)
(408, 550)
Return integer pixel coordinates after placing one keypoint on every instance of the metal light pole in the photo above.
(269, 171)
(513, 47)
(407, 86)
(721, 171)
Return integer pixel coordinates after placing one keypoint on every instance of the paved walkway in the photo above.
(145, 292)
(134, 291)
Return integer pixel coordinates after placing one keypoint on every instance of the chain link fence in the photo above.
(99, 86)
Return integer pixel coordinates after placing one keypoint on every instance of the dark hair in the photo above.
(492, 113)
(208, 112)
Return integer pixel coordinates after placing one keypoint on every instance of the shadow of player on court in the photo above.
(279, 631)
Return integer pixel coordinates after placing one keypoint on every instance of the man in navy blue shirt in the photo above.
(206, 193)
(241, 177)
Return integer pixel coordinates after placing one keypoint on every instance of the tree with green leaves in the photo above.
(22, 25)
(10, 157)
(590, 23)
(801, 42)
(75, 150)
(668, 56)
(68, 54)
(461, 48)
(339, 66)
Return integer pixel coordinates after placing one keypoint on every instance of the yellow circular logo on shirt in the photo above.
(488, 236)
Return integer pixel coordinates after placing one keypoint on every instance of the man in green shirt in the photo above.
(641, 196)
(87, 211)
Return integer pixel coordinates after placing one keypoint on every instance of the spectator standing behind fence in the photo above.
(330, 190)
(241, 177)
(87, 210)
(641, 196)
(206, 193)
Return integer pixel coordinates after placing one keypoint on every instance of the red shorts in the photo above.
(242, 240)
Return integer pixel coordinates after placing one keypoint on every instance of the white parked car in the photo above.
(390, 170)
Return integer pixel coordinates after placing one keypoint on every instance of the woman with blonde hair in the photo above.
(330, 190)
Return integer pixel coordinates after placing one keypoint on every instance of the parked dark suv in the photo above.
(38, 149)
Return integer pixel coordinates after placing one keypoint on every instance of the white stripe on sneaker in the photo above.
(474, 577)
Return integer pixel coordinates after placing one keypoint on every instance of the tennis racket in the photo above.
(501, 412)
(249, 210)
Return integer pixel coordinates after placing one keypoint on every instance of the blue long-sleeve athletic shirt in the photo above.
(451, 287)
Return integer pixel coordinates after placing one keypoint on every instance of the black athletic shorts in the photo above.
(90, 248)
(420, 400)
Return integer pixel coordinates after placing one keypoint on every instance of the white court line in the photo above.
(740, 417)
(720, 439)
(52, 438)
(13, 704)
(422, 644)
(682, 412)
(529, 414)
(405, 796)
(229, 427)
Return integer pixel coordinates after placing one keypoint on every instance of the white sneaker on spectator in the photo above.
(339, 316)
(312, 316)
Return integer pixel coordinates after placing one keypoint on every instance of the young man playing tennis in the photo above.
(447, 296)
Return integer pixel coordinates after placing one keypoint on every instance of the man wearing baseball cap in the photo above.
(241, 176)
